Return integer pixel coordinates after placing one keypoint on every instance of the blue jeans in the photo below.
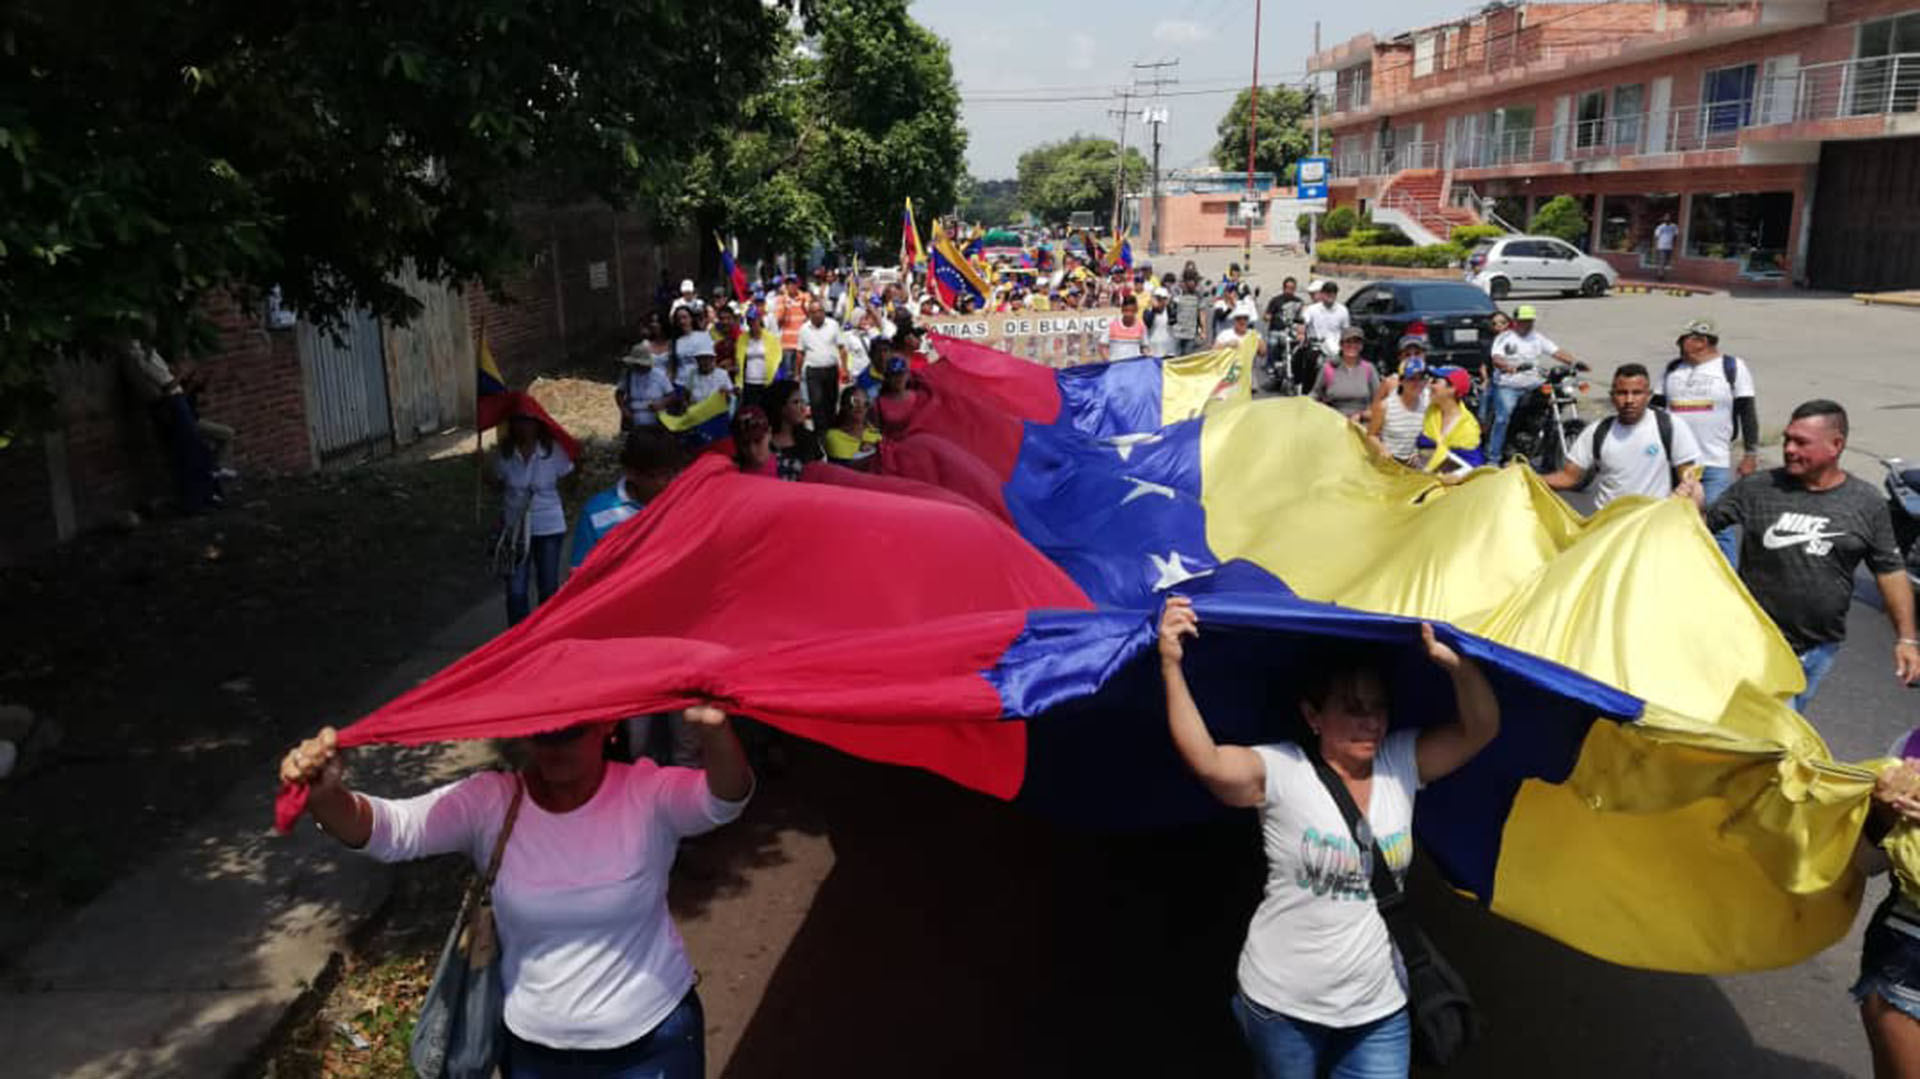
(1714, 482)
(543, 562)
(1286, 1048)
(1505, 400)
(1815, 662)
(676, 1049)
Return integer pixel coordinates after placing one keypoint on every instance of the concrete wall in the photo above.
(1199, 221)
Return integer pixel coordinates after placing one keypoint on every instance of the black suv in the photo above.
(1457, 318)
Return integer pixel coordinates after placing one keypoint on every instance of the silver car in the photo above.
(1537, 264)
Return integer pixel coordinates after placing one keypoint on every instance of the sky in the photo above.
(1021, 64)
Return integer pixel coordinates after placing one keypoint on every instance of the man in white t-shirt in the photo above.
(1159, 320)
(1518, 356)
(1713, 392)
(689, 298)
(1642, 451)
(1665, 235)
(1326, 316)
(823, 362)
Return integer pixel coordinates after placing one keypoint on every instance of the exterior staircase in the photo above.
(1415, 201)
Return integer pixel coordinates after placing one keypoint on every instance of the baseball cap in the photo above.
(1525, 313)
(1701, 327)
(1412, 340)
(1160, 293)
(1353, 333)
(1456, 377)
(686, 285)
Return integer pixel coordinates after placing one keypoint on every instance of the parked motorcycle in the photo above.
(1547, 420)
(1903, 504)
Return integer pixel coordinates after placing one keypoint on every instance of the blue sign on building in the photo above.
(1311, 177)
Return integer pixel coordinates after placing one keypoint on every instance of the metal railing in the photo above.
(1468, 199)
(1864, 86)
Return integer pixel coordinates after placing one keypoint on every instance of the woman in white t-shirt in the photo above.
(527, 470)
(597, 980)
(688, 341)
(1322, 991)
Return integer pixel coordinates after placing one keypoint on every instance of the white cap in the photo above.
(1318, 286)
(1160, 292)
(686, 285)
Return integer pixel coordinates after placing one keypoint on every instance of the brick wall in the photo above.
(552, 312)
(254, 384)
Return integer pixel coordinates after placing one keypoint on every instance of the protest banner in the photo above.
(1054, 338)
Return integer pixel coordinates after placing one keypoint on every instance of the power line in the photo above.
(1108, 96)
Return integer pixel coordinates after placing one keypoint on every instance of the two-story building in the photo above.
(1781, 136)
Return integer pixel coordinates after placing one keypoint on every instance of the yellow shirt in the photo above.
(842, 446)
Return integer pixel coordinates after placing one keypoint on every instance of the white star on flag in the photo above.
(1142, 488)
(1124, 444)
(1172, 571)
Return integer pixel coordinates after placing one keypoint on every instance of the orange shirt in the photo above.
(790, 313)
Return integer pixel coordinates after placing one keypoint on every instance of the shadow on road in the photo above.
(958, 936)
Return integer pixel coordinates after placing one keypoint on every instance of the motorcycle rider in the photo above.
(1517, 357)
(1327, 316)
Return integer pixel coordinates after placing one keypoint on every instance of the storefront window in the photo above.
(1749, 227)
(1628, 221)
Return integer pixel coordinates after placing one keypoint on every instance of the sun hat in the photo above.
(1700, 327)
(639, 356)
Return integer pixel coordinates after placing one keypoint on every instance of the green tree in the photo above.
(1560, 216)
(990, 202)
(860, 113)
(1281, 130)
(1058, 178)
(152, 152)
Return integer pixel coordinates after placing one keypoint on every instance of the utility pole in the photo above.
(1123, 113)
(1154, 117)
(1313, 92)
(1253, 111)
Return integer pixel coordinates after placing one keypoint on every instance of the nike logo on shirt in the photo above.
(1799, 530)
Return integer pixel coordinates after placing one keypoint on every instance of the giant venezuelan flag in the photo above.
(1649, 799)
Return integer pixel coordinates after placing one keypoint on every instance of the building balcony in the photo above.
(1546, 61)
(1785, 119)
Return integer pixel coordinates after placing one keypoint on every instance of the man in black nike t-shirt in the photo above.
(1804, 527)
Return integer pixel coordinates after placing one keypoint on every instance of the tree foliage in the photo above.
(989, 202)
(1560, 216)
(151, 152)
(1058, 178)
(1281, 127)
(860, 114)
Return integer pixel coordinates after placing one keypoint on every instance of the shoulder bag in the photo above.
(460, 1029)
(1442, 1013)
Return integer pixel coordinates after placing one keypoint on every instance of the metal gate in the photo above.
(1866, 216)
(347, 386)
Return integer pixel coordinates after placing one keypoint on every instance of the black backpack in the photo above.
(1605, 427)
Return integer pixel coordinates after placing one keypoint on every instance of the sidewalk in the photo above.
(186, 966)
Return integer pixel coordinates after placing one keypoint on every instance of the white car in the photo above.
(1537, 264)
